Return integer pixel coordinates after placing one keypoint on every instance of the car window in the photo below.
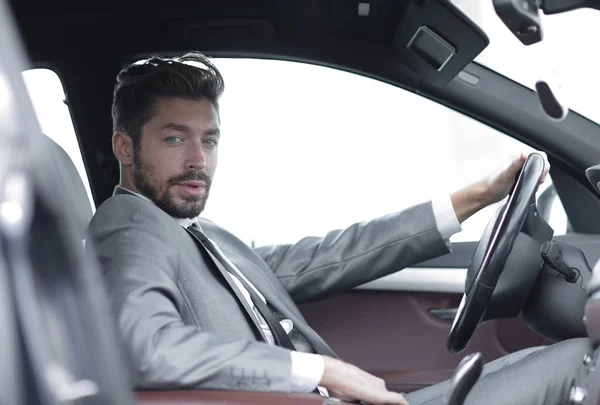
(307, 149)
(48, 98)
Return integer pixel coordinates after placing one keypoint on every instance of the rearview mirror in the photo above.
(522, 17)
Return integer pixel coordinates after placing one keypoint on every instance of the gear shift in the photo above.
(465, 376)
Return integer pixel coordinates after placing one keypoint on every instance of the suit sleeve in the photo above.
(343, 259)
(140, 270)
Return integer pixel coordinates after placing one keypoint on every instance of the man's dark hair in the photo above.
(139, 86)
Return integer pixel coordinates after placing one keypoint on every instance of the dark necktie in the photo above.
(281, 337)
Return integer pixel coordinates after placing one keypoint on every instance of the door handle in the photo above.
(445, 314)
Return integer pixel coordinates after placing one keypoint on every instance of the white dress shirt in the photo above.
(307, 368)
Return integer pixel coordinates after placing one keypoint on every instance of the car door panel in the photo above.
(394, 334)
(396, 327)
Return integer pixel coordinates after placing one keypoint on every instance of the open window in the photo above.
(306, 149)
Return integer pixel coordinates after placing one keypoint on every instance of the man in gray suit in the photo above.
(197, 308)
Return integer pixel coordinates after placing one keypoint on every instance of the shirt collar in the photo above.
(184, 222)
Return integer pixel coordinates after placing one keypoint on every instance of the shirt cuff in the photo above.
(307, 371)
(445, 217)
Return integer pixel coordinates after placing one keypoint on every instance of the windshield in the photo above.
(567, 58)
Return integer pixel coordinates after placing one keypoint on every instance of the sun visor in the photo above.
(437, 40)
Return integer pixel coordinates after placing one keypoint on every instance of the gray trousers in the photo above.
(535, 376)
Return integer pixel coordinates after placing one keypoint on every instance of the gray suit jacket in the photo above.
(180, 325)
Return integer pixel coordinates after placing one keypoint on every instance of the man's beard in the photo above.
(145, 181)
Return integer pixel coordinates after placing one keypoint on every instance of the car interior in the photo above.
(522, 284)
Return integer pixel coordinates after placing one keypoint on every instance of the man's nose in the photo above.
(195, 158)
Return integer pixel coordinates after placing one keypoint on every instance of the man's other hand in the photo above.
(500, 181)
(350, 383)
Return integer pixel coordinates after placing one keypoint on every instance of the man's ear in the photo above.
(122, 145)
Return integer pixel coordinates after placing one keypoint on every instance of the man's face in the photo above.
(177, 156)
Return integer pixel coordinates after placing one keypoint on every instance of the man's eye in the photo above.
(174, 139)
(210, 142)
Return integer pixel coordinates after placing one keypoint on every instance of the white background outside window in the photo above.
(307, 149)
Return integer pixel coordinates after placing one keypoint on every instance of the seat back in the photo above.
(59, 343)
(77, 200)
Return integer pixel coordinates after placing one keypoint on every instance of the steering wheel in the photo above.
(492, 252)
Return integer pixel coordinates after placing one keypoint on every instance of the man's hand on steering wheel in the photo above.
(501, 180)
(492, 188)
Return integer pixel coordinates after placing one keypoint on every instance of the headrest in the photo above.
(77, 200)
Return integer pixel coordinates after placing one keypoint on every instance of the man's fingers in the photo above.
(546, 166)
(516, 163)
(393, 398)
(380, 398)
(348, 382)
(384, 397)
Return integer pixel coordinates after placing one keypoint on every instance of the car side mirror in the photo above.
(522, 19)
